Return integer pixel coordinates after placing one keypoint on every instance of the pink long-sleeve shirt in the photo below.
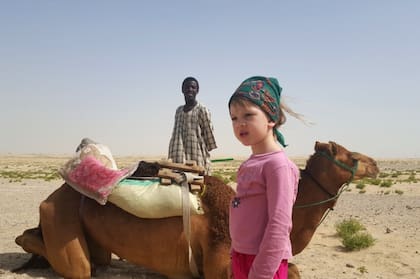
(261, 212)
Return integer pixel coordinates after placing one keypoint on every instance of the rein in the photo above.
(332, 197)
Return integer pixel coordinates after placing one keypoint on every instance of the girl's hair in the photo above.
(282, 118)
(242, 101)
(187, 79)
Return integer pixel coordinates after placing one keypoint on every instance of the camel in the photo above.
(76, 233)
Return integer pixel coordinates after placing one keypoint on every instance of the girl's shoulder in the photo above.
(278, 159)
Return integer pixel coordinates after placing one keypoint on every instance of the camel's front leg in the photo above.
(65, 245)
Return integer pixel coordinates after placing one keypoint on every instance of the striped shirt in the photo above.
(192, 137)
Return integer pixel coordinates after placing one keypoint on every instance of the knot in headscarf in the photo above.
(264, 92)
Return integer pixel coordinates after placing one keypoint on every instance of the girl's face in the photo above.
(252, 127)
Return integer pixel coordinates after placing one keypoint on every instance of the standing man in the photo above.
(192, 135)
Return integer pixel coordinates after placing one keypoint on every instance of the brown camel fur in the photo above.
(77, 232)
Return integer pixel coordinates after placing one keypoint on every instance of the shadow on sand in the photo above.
(118, 268)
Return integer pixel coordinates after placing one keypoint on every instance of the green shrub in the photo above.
(399, 192)
(412, 178)
(353, 235)
(232, 177)
(396, 174)
(18, 176)
(348, 227)
(360, 186)
(375, 181)
(357, 241)
(383, 175)
(386, 183)
(362, 269)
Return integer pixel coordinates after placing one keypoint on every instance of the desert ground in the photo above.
(389, 211)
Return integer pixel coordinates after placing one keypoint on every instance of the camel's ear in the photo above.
(319, 146)
(333, 147)
(330, 147)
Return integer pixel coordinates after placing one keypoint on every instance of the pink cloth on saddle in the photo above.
(91, 178)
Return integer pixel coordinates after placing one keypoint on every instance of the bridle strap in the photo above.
(352, 169)
(307, 173)
(332, 197)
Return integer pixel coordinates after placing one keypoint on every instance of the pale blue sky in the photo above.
(112, 71)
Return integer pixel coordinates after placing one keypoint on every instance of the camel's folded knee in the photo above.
(31, 241)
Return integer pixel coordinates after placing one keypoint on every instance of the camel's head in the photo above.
(357, 164)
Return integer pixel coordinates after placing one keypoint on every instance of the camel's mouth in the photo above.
(373, 171)
(365, 171)
(367, 166)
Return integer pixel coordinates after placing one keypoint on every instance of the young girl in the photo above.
(261, 212)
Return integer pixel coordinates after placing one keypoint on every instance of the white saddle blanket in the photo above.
(150, 199)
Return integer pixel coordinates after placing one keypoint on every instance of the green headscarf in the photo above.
(264, 92)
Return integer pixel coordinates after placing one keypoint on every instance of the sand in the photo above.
(390, 215)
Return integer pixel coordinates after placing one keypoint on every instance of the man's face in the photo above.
(190, 91)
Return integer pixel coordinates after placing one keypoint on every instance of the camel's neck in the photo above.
(315, 197)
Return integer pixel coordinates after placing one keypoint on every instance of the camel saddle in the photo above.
(170, 173)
